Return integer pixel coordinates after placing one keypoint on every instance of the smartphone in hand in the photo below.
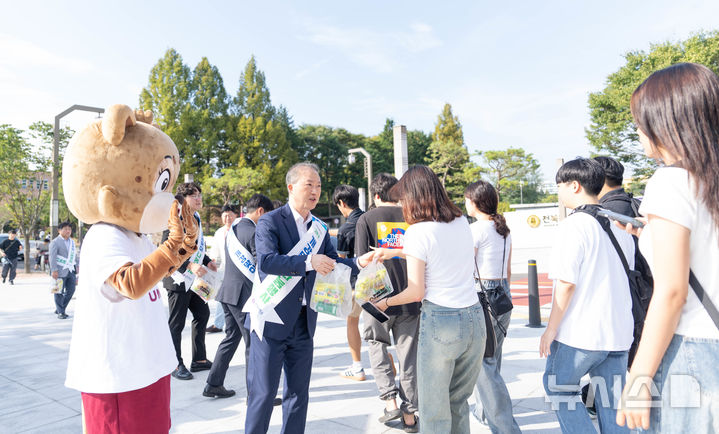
(376, 313)
(621, 218)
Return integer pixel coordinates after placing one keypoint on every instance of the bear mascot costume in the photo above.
(118, 175)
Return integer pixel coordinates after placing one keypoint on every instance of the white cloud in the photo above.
(19, 54)
(310, 69)
(372, 49)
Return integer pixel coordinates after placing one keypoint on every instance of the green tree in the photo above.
(168, 95)
(506, 169)
(380, 147)
(449, 157)
(44, 133)
(22, 177)
(418, 147)
(234, 187)
(612, 131)
(259, 138)
(208, 119)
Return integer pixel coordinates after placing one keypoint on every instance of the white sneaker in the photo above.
(353, 375)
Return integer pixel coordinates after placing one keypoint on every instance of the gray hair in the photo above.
(294, 173)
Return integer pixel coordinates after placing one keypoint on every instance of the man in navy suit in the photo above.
(233, 294)
(288, 345)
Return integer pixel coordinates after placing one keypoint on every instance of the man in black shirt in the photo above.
(346, 198)
(613, 197)
(10, 248)
(384, 226)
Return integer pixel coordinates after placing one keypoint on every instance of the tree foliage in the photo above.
(234, 187)
(612, 131)
(22, 177)
(506, 169)
(449, 157)
(260, 137)
(168, 96)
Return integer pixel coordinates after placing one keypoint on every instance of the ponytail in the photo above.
(485, 198)
(500, 225)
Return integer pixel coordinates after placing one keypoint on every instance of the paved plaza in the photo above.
(33, 359)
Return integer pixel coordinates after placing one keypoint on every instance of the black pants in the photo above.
(10, 266)
(234, 332)
(180, 301)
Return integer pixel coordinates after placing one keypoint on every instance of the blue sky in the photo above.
(516, 75)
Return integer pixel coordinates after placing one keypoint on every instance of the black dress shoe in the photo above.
(213, 329)
(390, 415)
(62, 316)
(217, 392)
(276, 402)
(200, 366)
(181, 373)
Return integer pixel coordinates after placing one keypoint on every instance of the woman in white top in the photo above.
(676, 111)
(492, 254)
(438, 248)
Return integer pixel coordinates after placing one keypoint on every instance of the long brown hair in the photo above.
(678, 109)
(423, 197)
(485, 198)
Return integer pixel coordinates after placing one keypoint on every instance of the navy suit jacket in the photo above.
(275, 236)
(236, 287)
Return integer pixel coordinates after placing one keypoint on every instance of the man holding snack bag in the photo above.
(384, 227)
(292, 247)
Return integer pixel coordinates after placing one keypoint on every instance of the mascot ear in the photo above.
(117, 118)
(106, 201)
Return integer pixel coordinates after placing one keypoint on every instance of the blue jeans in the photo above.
(493, 402)
(219, 316)
(450, 347)
(688, 382)
(62, 299)
(565, 368)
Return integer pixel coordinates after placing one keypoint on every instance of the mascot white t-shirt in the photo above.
(118, 344)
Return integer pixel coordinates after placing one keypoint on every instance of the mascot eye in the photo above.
(162, 181)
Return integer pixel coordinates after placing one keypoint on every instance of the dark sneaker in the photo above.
(390, 415)
(181, 373)
(217, 392)
(200, 366)
(411, 428)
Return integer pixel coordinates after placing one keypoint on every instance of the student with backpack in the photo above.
(590, 326)
(676, 111)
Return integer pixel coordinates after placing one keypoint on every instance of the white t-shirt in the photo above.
(670, 195)
(117, 344)
(599, 316)
(217, 253)
(447, 251)
(490, 246)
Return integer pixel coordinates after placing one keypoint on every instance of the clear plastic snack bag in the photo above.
(373, 283)
(332, 294)
(56, 286)
(207, 285)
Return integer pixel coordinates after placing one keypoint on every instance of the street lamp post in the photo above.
(367, 169)
(54, 201)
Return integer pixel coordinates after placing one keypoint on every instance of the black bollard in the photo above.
(535, 318)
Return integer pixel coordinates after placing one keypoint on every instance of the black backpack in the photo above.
(641, 283)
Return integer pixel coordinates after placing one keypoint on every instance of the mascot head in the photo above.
(121, 170)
